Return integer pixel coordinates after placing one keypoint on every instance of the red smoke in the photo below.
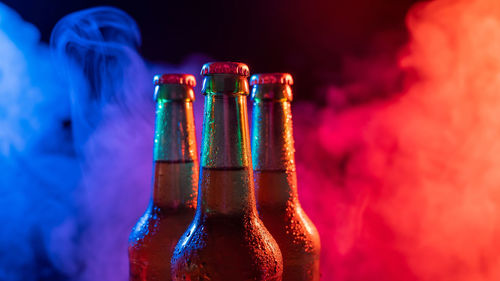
(408, 187)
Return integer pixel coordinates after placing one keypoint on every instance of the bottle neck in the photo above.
(175, 159)
(273, 151)
(272, 142)
(225, 132)
(175, 139)
(226, 185)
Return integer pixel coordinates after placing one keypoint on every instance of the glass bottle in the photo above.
(175, 180)
(226, 240)
(276, 180)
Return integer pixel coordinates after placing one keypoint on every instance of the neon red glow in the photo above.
(408, 188)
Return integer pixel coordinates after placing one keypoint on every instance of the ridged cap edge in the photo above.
(227, 67)
(271, 78)
(175, 78)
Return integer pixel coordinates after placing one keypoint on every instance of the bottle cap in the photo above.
(174, 87)
(183, 79)
(271, 78)
(272, 86)
(225, 67)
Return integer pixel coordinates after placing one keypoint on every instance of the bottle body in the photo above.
(175, 175)
(226, 246)
(290, 226)
(155, 235)
(276, 181)
(226, 240)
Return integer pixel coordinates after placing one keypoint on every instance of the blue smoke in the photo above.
(37, 160)
(76, 131)
(96, 49)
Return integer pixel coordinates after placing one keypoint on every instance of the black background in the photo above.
(306, 38)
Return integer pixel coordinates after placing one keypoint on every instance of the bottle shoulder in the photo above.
(313, 238)
(291, 227)
(161, 222)
(212, 241)
(237, 227)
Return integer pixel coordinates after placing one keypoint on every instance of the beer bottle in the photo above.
(173, 203)
(276, 180)
(226, 240)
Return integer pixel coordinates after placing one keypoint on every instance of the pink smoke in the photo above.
(407, 187)
(399, 175)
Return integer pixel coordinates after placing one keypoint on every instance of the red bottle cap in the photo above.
(183, 79)
(271, 78)
(225, 67)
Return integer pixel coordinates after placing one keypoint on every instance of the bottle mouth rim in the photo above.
(175, 78)
(225, 67)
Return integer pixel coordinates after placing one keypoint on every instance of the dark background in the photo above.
(309, 39)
